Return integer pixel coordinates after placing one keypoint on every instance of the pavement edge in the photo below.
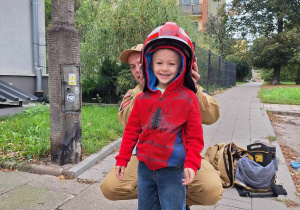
(79, 168)
(68, 170)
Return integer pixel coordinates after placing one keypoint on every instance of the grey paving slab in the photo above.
(228, 203)
(231, 193)
(271, 204)
(242, 142)
(290, 109)
(53, 183)
(93, 199)
(224, 207)
(99, 170)
(92, 175)
(30, 197)
(16, 179)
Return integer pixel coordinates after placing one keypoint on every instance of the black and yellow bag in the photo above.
(224, 158)
(256, 173)
(262, 153)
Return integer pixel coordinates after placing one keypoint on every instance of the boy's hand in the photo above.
(189, 175)
(119, 170)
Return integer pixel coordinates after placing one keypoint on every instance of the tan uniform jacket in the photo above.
(209, 108)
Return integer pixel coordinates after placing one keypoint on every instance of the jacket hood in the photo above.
(182, 78)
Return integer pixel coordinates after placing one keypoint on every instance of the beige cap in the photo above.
(125, 54)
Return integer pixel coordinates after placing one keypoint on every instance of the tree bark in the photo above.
(297, 80)
(276, 74)
(277, 66)
(63, 49)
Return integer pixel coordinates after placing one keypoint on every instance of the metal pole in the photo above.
(219, 72)
(35, 37)
(208, 70)
(226, 74)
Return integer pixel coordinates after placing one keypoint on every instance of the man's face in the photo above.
(134, 61)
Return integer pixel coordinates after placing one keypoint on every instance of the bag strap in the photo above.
(228, 171)
(276, 189)
(242, 192)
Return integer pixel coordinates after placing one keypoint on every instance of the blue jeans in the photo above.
(161, 189)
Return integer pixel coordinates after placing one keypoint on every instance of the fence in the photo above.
(216, 72)
(42, 52)
(193, 9)
(100, 77)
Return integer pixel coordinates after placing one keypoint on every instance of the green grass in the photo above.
(288, 83)
(240, 83)
(100, 126)
(27, 135)
(281, 83)
(280, 94)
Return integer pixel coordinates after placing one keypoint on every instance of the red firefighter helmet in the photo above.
(171, 35)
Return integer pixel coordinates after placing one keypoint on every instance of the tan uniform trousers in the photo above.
(206, 188)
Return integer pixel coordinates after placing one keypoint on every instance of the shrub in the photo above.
(102, 85)
(286, 74)
(242, 67)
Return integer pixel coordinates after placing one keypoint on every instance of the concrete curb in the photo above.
(283, 174)
(49, 169)
(68, 170)
(291, 113)
(92, 159)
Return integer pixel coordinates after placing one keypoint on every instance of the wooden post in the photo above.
(64, 84)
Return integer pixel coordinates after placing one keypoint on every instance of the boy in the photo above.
(167, 121)
(206, 189)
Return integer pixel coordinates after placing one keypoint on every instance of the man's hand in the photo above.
(189, 175)
(140, 78)
(195, 74)
(119, 170)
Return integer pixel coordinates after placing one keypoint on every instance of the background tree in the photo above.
(217, 29)
(242, 67)
(271, 20)
(112, 26)
(108, 27)
(47, 13)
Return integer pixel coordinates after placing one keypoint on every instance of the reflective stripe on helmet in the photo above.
(172, 31)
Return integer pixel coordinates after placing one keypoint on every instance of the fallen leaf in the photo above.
(61, 177)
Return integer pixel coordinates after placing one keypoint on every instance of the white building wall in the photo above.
(16, 50)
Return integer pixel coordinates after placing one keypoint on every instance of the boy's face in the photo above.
(165, 64)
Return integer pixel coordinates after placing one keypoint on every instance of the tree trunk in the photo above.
(63, 50)
(276, 74)
(297, 80)
(277, 66)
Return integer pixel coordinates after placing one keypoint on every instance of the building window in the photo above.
(189, 2)
(191, 7)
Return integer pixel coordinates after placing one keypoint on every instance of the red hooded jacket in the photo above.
(166, 127)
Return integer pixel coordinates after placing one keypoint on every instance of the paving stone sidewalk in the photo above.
(243, 120)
